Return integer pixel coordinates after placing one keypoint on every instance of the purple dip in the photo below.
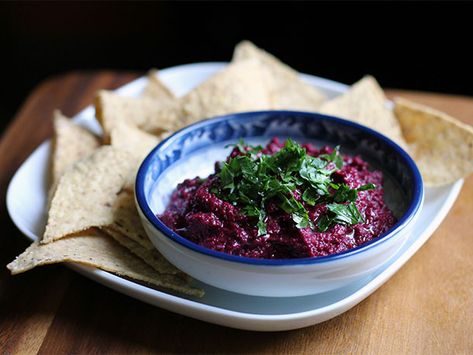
(205, 219)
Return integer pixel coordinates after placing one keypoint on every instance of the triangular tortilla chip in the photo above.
(247, 50)
(239, 87)
(151, 257)
(134, 140)
(71, 142)
(288, 90)
(101, 252)
(125, 216)
(127, 221)
(365, 103)
(441, 145)
(86, 193)
(154, 116)
(155, 89)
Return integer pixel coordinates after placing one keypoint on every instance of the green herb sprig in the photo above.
(251, 179)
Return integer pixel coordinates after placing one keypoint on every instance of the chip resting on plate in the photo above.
(151, 115)
(155, 88)
(157, 109)
(365, 103)
(441, 145)
(134, 140)
(151, 257)
(101, 252)
(85, 194)
(125, 219)
(288, 91)
(241, 86)
(71, 142)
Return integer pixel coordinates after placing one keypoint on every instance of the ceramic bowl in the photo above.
(193, 151)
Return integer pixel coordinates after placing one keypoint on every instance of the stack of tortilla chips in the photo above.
(92, 217)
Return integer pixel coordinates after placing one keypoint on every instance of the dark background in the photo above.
(421, 46)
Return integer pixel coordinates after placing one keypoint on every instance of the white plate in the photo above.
(26, 198)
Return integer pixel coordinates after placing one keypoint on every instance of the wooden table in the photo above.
(426, 307)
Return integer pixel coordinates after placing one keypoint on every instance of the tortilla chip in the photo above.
(247, 50)
(150, 115)
(86, 193)
(134, 140)
(288, 90)
(365, 103)
(127, 221)
(71, 142)
(101, 252)
(239, 87)
(151, 257)
(155, 89)
(441, 145)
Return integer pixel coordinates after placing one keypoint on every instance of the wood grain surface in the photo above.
(427, 307)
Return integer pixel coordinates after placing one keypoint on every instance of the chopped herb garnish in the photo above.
(250, 179)
(339, 214)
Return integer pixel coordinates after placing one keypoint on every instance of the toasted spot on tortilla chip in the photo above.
(151, 257)
(101, 252)
(441, 145)
(365, 103)
(288, 90)
(86, 193)
(71, 142)
(239, 87)
(155, 88)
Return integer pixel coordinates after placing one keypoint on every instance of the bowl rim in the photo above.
(412, 210)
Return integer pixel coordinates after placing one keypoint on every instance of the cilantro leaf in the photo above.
(226, 177)
(347, 214)
(261, 223)
(344, 193)
(366, 187)
(310, 196)
(289, 158)
(334, 157)
(253, 211)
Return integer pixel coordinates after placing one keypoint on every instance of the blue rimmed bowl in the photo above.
(193, 151)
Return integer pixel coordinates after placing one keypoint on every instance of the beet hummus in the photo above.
(282, 201)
